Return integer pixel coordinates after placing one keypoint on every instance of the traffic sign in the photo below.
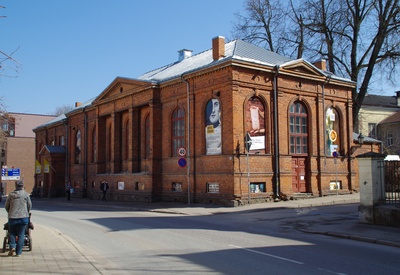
(247, 142)
(182, 151)
(182, 162)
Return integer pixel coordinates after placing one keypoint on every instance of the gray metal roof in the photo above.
(55, 149)
(380, 101)
(366, 139)
(236, 49)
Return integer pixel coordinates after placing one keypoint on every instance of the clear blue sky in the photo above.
(71, 50)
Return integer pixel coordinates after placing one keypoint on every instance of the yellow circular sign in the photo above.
(333, 135)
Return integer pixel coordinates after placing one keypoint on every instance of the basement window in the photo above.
(335, 185)
(213, 187)
(176, 187)
(258, 187)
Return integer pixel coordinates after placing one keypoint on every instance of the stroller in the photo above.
(27, 237)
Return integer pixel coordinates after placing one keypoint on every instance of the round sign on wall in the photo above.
(182, 151)
(182, 162)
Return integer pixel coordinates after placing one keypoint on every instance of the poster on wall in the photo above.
(331, 134)
(213, 127)
(255, 122)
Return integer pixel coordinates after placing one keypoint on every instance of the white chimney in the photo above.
(183, 54)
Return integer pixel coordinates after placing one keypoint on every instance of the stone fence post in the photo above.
(371, 179)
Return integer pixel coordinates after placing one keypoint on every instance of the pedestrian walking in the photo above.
(104, 187)
(68, 189)
(18, 206)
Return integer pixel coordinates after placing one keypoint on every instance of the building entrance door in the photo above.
(299, 184)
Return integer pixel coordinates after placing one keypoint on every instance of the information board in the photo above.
(10, 173)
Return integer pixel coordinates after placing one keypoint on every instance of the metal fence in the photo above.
(392, 182)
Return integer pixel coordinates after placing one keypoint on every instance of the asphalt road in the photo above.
(248, 242)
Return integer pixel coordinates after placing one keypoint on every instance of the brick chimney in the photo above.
(398, 97)
(321, 64)
(218, 47)
(77, 104)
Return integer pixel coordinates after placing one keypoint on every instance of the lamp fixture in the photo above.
(360, 140)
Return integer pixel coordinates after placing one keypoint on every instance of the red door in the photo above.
(299, 175)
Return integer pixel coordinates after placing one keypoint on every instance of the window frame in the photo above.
(177, 130)
(298, 132)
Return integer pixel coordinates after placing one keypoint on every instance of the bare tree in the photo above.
(9, 67)
(357, 37)
(263, 24)
(4, 118)
(63, 109)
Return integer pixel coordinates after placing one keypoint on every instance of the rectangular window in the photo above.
(372, 130)
(212, 187)
(292, 124)
(389, 139)
(335, 185)
(257, 187)
(176, 187)
(178, 131)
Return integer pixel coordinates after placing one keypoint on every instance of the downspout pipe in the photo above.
(188, 135)
(85, 158)
(276, 136)
(65, 122)
(328, 78)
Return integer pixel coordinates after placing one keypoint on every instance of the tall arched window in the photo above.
(298, 129)
(125, 141)
(78, 147)
(147, 136)
(332, 131)
(94, 146)
(178, 130)
(109, 137)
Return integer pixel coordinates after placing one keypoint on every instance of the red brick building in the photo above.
(296, 114)
(18, 147)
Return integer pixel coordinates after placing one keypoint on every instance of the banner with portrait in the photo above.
(213, 127)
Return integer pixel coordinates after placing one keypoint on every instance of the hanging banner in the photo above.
(38, 167)
(46, 166)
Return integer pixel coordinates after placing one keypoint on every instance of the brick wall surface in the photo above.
(117, 121)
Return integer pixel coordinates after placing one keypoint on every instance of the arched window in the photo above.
(147, 136)
(94, 146)
(178, 130)
(109, 143)
(78, 147)
(298, 129)
(332, 131)
(125, 140)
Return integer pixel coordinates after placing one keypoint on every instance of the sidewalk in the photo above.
(64, 256)
(52, 253)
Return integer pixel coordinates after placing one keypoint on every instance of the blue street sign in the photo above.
(10, 173)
